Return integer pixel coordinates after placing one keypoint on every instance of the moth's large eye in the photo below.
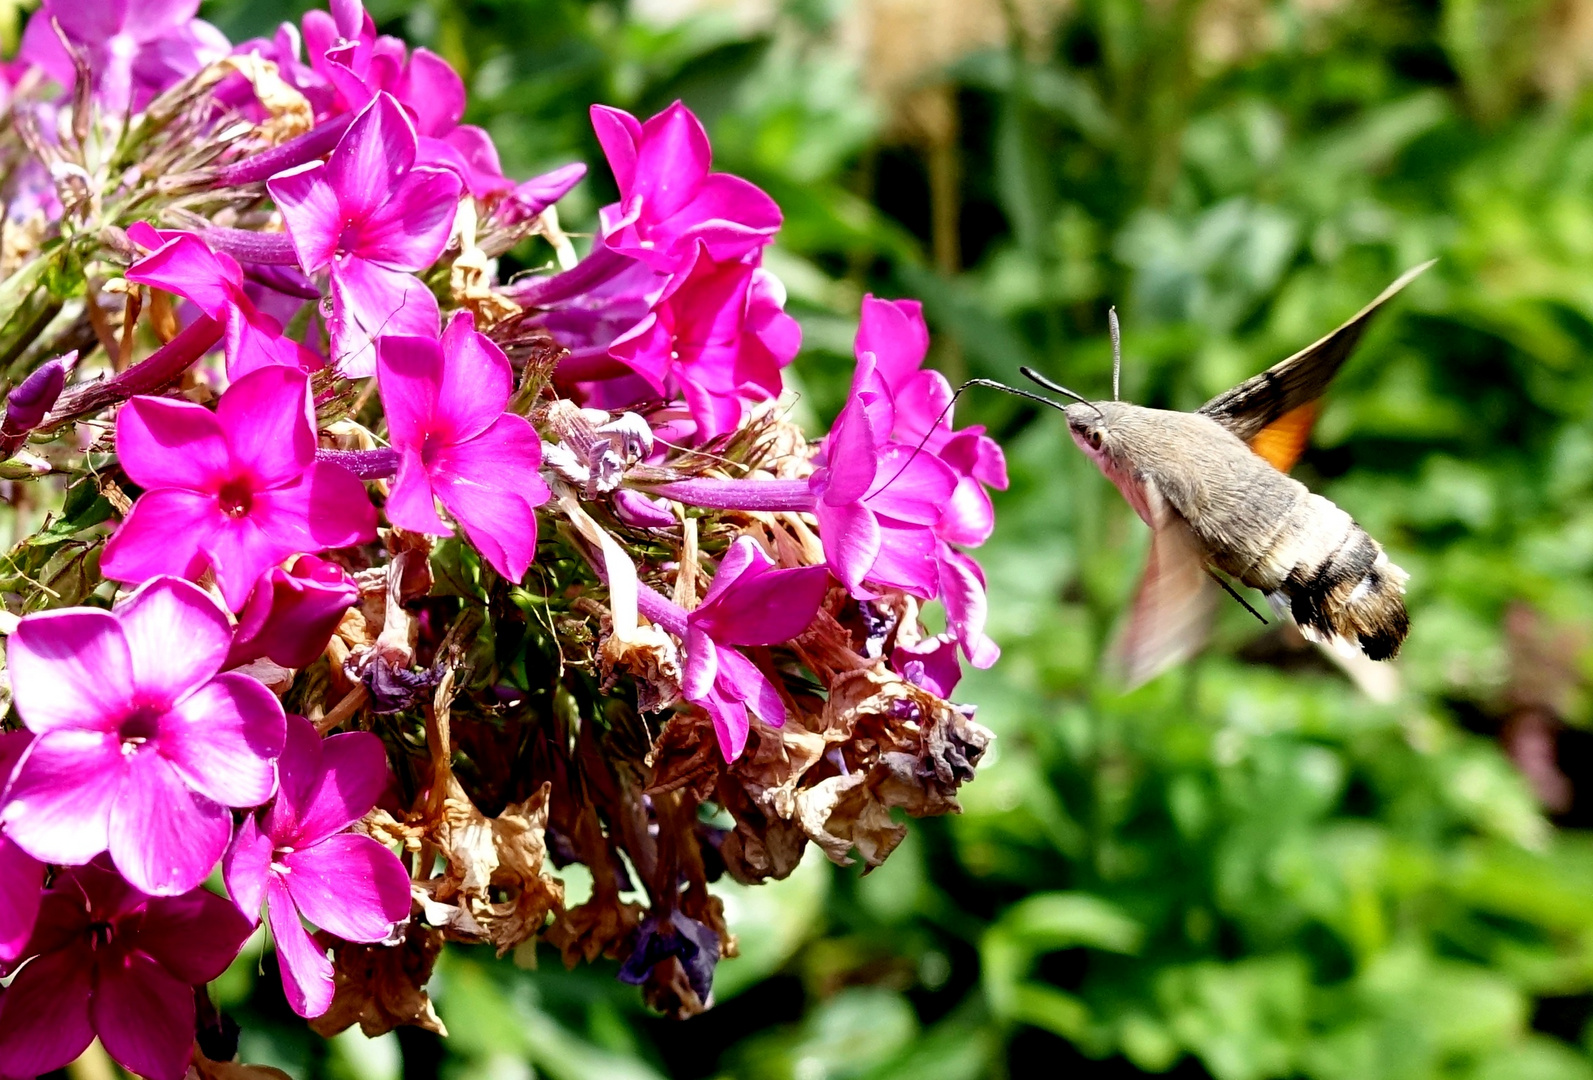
(1093, 437)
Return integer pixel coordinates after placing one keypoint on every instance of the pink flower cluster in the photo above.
(149, 755)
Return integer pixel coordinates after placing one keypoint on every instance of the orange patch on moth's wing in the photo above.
(1283, 441)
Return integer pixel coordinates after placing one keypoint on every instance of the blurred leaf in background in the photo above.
(1245, 870)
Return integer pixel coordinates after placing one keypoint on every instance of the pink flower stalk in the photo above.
(669, 201)
(183, 264)
(749, 603)
(445, 403)
(236, 490)
(141, 745)
(291, 614)
(114, 963)
(21, 875)
(718, 336)
(296, 858)
(878, 502)
(375, 217)
(135, 48)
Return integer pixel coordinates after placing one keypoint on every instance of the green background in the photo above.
(1246, 869)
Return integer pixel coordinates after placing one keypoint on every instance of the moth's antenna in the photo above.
(1116, 334)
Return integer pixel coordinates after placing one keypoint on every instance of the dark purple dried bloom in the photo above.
(672, 934)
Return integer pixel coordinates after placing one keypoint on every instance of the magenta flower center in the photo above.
(138, 728)
(235, 498)
(100, 935)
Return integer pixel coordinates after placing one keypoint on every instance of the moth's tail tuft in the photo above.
(1354, 600)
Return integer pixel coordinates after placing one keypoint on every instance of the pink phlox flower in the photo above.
(375, 217)
(718, 336)
(878, 502)
(111, 962)
(136, 48)
(748, 603)
(296, 858)
(291, 614)
(183, 264)
(285, 49)
(21, 875)
(669, 201)
(445, 403)
(142, 743)
(236, 490)
(895, 333)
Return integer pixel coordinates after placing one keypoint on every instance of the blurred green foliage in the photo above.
(1245, 870)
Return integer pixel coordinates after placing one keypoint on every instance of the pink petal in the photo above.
(371, 158)
(410, 502)
(742, 555)
(194, 936)
(299, 775)
(969, 518)
(325, 508)
(409, 374)
(269, 423)
(306, 972)
(618, 133)
(223, 740)
(187, 267)
(702, 664)
(671, 161)
(894, 331)
(851, 537)
(752, 686)
(906, 559)
(164, 838)
(647, 348)
(176, 635)
(717, 412)
(369, 301)
(410, 230)
(853, 461)
(246, 868)
(490, 485)
(21, 883)
(58, 807)
(254, 340)
(350, 886)
(70, 668)
(772, 607)
(962, 590)
(44, 1017)
(164, 443)
(915, 488)
(350, 777)
(238, 550)
(144, 1017)
(310, 211)
(162, 535)
(476, 381)
(435, 91)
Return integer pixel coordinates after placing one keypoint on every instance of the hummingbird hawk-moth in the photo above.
(1213, 487)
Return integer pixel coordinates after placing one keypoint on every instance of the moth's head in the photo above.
(1098, 428)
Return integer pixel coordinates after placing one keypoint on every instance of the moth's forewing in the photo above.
(1261, 400)
(1173, 606)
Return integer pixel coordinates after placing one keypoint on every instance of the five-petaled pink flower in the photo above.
(183, 264)
(878, 502)
(111, 962)
(445, 406)
(374, 216)
(141, 745)
(749, 602)
(669, 201)
(21, 875)
(719, 337)
(296, 858)
(236, 490)
(136, 48)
